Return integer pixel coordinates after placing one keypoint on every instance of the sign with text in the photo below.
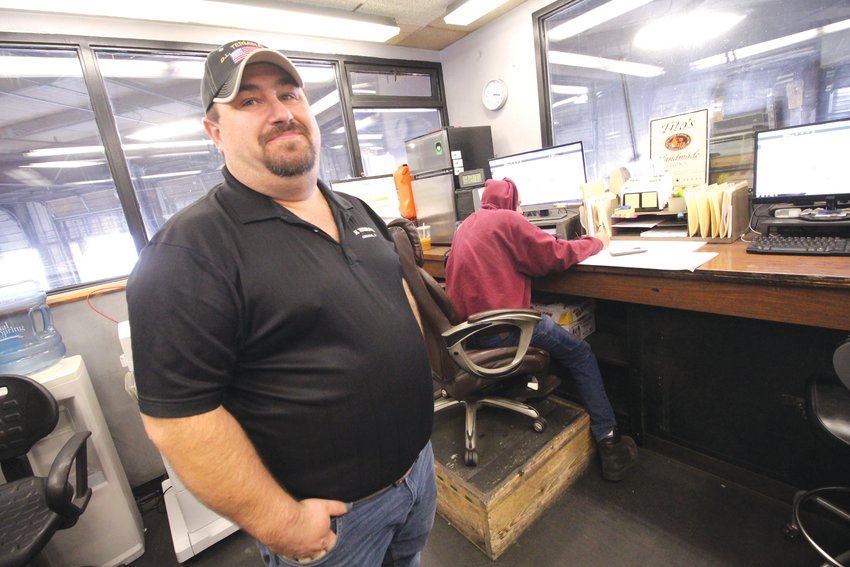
(681, 141)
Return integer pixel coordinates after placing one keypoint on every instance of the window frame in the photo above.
(86, 49)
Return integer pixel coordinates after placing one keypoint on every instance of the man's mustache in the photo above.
(279, 129)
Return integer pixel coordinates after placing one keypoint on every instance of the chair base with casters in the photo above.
(829, 406)
(471, 406)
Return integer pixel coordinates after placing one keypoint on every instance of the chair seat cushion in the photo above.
(27, 521)
(536, 361)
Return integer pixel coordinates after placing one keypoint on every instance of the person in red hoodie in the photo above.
(494, 256)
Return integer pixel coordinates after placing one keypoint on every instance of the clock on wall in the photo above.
(495, 94)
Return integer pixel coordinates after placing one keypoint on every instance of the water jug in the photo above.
(28, 340)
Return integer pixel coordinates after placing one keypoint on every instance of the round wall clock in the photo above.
(495, 94)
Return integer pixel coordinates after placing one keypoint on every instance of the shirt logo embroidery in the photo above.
(365, 232)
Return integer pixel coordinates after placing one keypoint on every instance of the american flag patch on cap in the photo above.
(241, 53)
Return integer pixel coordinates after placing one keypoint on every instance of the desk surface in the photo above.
(805, 290)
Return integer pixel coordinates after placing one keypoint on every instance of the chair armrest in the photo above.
(63, 498)
(523, 319)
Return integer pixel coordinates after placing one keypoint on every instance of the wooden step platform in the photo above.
(519, 473)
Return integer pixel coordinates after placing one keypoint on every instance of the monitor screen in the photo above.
(551, 176)
(378, 192)
(803, 165)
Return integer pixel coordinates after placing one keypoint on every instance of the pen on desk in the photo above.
(627, 251)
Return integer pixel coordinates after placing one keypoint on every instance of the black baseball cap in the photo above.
(224, 67)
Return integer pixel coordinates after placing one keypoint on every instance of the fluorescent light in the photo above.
(470, 11)
(222, 14)
(168, 130)
(77, 150)
(71, 163)
(701, 27)
(568, 90)
(172, 174)
(328, 101)
(767, 46)
(593, 18)
(611, 65)
(580, 99)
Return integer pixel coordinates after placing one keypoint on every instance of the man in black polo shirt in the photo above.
(279, 364)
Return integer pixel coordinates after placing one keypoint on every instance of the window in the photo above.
(392, 105)
(61, 221)
(612, 66)
(101, 145)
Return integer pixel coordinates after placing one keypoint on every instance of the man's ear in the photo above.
(213, 131)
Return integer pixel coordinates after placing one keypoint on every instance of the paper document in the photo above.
(710, 209)
(659, 255)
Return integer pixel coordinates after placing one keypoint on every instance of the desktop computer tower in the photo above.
(110, 531)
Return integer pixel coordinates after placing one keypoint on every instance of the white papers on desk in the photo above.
(659, 255)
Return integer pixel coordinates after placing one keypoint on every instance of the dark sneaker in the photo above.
(617, 453)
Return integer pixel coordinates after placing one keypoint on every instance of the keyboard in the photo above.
(800, 245)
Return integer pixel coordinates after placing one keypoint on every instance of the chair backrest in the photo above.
(28, 413)
(435, 308)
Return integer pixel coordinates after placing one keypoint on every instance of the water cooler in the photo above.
(194, 527)
(110, 531)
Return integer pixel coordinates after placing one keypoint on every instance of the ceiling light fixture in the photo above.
(611, 65)
(168, 130)
(222, 14)
(767, 46)
(701, 27)
(593, 18)
(470, 11)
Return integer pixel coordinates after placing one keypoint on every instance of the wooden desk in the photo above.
(712, 366)
(806, 290)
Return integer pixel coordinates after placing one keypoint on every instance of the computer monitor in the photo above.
(378, 191)
(804, 166)
(546, 178)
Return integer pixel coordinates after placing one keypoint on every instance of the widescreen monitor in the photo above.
(378, 191)
(803, 166)
(548, 177)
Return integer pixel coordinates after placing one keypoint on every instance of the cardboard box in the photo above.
(577, 315)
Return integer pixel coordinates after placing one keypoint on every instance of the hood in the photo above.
(500, 194)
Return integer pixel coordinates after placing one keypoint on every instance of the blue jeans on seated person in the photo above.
(389, 529)
(570, 352)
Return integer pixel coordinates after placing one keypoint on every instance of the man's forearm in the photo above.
(217, 462)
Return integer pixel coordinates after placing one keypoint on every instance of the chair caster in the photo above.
(791, 531)
(471, 458)
(539, 425)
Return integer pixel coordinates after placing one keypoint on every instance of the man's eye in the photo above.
(249, 102)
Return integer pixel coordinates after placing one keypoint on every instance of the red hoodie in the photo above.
(497, 251)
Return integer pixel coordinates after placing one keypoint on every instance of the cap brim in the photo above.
(231, 88)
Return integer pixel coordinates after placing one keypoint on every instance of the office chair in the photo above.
(829, 405)
(497, 377)
(33, 508)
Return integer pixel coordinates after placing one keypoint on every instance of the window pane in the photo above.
(322, 88)
(156, 103)
(390, 83)
(753, 64)
(381, 133)
(61, 223)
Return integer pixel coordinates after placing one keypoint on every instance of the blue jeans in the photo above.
(573, 353)
(389, 529)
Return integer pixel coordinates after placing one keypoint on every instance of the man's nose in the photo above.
(280, 112)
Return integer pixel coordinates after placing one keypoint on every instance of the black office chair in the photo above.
(829, 406)
(33, 508)
(497, 377)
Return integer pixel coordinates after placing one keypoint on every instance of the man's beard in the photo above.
(290, 162)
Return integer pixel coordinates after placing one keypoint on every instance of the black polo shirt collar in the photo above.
(248, 205)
